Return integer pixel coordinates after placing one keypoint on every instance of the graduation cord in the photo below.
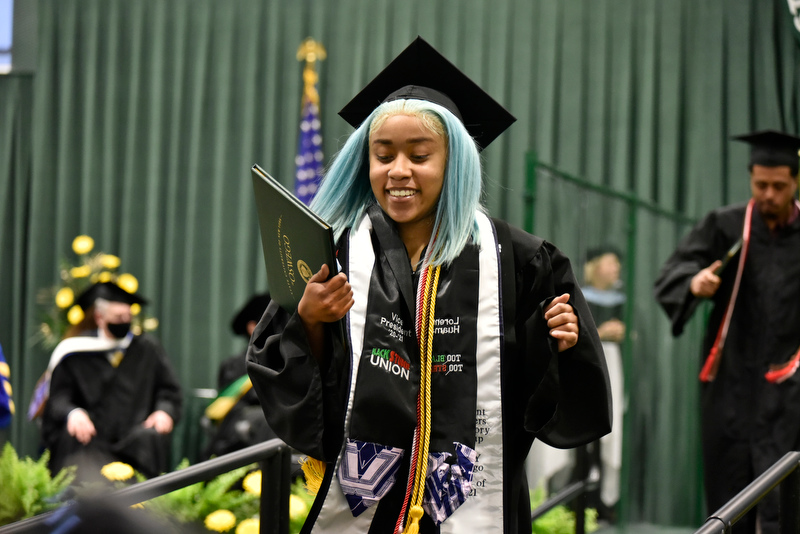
(429, 282)
(777, 372)
(709, 371)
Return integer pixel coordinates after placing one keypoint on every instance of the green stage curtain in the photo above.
(142, 119)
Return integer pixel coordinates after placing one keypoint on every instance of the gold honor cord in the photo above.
(426, 355)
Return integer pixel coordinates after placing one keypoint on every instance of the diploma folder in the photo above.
(295, 241)
(729, 256)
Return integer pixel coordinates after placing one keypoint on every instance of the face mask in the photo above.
(119, 330)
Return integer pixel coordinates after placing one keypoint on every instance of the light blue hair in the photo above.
(346, 193)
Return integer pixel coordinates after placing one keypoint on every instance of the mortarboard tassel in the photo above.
(314, 471)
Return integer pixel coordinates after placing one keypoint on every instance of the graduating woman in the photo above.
(465, 338)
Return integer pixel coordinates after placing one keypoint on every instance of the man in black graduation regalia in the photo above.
(243, 424)
(113, 395)
(750, 390)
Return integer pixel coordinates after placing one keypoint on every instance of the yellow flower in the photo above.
(150, 324)
(128, 282)
(5, 370)
(105, 276)
(249, 526)
(75, 315)
(109, 261)
(297, 507)
(80, 272)
(135, 309)
(11, 407)
(7, 387)
(117, 471)
(82, 244)
(220, 521)
(252, 483)
(64, 298)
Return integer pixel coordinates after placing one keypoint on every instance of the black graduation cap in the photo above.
(596, 252)
(421, 72)
(772, 149)
(252, 311)
(108, 291)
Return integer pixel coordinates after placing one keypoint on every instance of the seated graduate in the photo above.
(466, 338)
(113, 395)
(236, 415)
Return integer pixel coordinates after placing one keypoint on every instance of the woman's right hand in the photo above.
(325, 301)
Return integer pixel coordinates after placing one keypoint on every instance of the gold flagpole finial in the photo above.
(311, 51)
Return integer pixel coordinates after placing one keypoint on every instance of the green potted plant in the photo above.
(27, 487)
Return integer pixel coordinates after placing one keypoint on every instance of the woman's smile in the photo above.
(401, 193)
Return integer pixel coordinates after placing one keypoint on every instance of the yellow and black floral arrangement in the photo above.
(60, 310)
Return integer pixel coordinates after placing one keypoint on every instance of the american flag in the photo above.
(6, 402)
(308, 162)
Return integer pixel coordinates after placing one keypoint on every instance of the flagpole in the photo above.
(309, 157)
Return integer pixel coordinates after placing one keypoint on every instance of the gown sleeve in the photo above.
(61, 401)
(168, 393)
(695, 252)
(302, 401)
(566, 395)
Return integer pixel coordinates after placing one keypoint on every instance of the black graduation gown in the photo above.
(118, 400)
(244, 425)
(748, 423)
(602, 312)
(560, 398)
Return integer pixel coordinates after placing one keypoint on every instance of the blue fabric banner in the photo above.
(6, 402)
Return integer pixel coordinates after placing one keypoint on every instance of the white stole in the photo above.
(483, 510)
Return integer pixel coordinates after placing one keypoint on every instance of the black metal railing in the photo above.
(574, 493)
(274, 457)
(783, 474)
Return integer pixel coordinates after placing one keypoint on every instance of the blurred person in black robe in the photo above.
(500, 351)
(242, 424)
(750, 393)
(606, 299)
(113, 395)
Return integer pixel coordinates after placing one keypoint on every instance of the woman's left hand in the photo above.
(562, 321)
